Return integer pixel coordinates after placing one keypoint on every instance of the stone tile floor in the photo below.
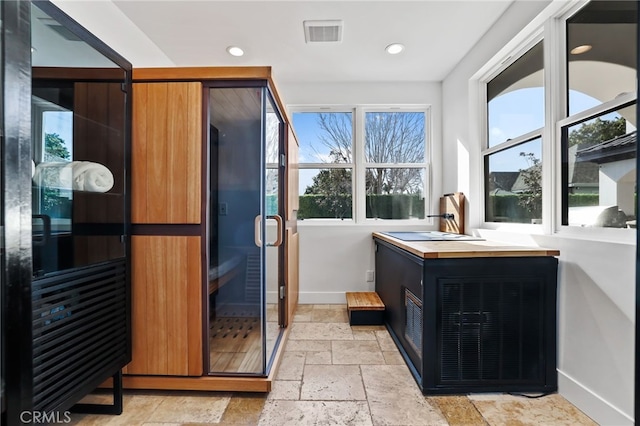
(335, 374)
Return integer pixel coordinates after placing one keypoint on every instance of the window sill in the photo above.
(625, 236)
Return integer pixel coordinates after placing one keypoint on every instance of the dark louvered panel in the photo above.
(492, 330)
(79, 331)
(413, 321)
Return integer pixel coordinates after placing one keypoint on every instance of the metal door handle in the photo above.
(280, 223)
(257, 231)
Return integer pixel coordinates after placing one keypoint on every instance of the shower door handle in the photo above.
(257, 230)
(280, 223)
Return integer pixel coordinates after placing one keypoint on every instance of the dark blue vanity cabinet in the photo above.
(471, 324)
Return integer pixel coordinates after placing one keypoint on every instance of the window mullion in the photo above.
(359, 174)
(555, 109)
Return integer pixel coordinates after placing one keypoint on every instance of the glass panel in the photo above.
(395, 137)
(78, 147)
(325, 193)
(601, 53)
(2, 245)
(244, 262)
(274, 254)
(324, 137)
(516, 98)
(513, 184)
(395, 193)
(600, 180)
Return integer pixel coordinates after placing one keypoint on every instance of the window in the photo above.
(513, 152)
(380, 165)
(599, 136)
(394, 142)
(326, 164)
(601, 53)
(599, 170)
(588, 127)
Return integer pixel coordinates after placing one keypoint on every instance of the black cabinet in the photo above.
(471, 324)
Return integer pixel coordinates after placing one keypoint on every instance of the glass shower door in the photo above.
(244, 230)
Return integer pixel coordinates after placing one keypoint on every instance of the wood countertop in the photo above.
(464, 249)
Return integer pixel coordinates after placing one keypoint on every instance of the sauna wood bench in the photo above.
(365, 308)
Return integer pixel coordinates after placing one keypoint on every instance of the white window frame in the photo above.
(524, 47)
(550, 25)
(358, 166)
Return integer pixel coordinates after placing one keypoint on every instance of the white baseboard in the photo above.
(322, 298)
(601, 411)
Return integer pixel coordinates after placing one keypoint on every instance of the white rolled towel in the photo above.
(76, 175)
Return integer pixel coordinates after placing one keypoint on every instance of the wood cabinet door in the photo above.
(167, 153)
(166, 308)
(292, 174)
(292, 275)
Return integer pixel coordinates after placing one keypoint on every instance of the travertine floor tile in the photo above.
(458, 410)
(308, 346)
(332, 383)
(291, 366)
(363, 334)
(137, 409)
(393, 358)
(356, 352)
(318, 357)
(395, 399)
(302, 317)
(315, 413)
(166, 424)
(320, 331)
(514, 410)
(244, 409)
(207, 408)
(330, 315)
(385, 341)
(330, 306)
(285, 390)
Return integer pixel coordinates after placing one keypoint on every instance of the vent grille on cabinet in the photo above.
(323, 31)
(491, 330)
(413, 324)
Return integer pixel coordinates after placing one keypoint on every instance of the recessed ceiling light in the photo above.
(581, 49)
(235, 51)
(394, 49)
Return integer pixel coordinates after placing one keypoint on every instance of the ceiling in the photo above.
(437, 35)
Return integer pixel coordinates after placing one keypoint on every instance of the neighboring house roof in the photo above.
(502, 180)
(581, 174)
(616, 149)
(520, 185)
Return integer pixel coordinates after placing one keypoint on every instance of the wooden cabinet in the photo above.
(467, 323)
(167, 306)
(167, 153)
(292, 240)
(197, 152)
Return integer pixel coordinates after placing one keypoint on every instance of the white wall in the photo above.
(596, 286)
(99, 17)
(334, 256)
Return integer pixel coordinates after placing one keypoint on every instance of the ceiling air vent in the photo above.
(323, 31)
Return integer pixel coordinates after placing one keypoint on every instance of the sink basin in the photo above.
(431, 236)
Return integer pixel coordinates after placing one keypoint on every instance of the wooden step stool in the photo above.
(365, 308)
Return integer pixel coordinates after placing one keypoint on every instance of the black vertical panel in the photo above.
(16, 192)
(637, 373)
